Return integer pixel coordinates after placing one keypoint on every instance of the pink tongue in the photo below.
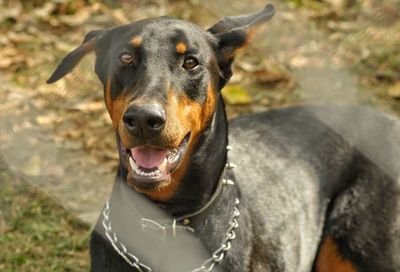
(148, 157)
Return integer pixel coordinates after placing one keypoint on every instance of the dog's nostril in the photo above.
(129, 122)
(155, 123)
(146, 119)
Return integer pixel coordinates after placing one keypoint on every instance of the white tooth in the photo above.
(133, 164)
(175, 157)
(163, 164)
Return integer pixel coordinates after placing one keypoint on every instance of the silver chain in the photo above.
(119, 247)
(208, 265)
(226, 244)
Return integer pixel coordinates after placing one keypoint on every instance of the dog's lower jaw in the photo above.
(145, 187)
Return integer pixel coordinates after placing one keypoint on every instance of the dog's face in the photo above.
(160, 91)
(161, 81)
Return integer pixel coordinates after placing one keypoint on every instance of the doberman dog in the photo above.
(316, 188)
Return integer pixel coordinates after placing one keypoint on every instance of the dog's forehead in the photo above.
(163, 31)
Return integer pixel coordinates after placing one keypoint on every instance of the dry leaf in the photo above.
(236, 95)
(394, 91)
(265, 77)
(46, 119)
(88, 106)
(32, 166)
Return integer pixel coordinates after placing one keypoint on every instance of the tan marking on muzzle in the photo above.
(116, 110)
(107, 97)
(184, 115)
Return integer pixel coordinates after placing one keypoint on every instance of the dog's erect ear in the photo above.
(243, 21)
(74, 57)
(233, 33)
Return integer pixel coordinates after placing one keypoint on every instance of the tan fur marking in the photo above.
(107, 97)
(136, 41)
(89, 45)
(120, 104)
(330, 260)
(184, 115)
(116, 109)
(210, 104)
(250, 35)
(181, 48)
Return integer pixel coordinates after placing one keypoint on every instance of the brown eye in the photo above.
(190, 63)
(126, 59)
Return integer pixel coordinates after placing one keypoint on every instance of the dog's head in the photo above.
(161, 81)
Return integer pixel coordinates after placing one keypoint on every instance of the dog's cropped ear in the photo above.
(74, 57)
(234, 33)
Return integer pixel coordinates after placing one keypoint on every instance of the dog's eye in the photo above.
(190, 63)
(126, 59)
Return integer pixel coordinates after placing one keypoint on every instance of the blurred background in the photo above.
(57, 150)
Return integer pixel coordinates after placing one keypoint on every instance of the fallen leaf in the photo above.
(45, 10)
(32, 166)
(394, 91)
(89, 106)
(236, 95)
(299, 62)
(6, 63)
(249, 66)
(47, 119)
(265, 77)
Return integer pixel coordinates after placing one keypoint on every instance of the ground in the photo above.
(57, 151)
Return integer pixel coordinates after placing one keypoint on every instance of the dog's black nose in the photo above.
(144, 120)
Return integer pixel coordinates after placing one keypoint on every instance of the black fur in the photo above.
(304, 173)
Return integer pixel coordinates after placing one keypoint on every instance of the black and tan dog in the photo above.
(316, 188)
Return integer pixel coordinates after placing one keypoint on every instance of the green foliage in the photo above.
(39, 234)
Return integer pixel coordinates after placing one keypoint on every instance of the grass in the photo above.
(38, 234)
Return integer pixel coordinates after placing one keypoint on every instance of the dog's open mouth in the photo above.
(149, 164)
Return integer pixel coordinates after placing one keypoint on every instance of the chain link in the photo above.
(119, 247)
(207, 266)
(226, 244)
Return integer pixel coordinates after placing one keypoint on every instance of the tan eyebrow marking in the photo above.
(136, 41)
(181, 48)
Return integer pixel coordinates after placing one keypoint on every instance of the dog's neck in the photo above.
(205, 167)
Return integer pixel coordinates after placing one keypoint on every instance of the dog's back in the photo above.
(329, 172)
